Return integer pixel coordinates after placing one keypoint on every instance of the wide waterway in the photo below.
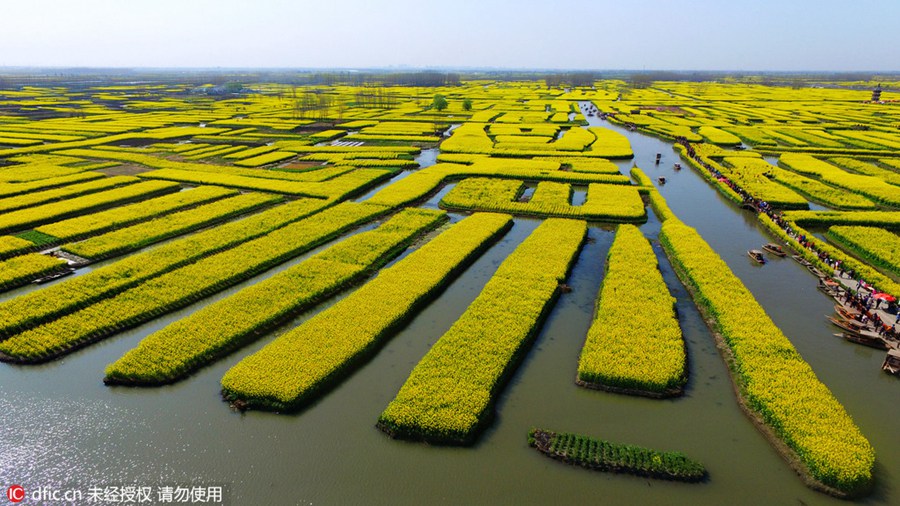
(62, 427)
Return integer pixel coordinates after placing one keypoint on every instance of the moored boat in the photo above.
(819, 274)
(50, 277)
(846, 312)
(892, 362)
(851, 326)
(865, 338)
(830, 287)
(832, 290)
(855, 322)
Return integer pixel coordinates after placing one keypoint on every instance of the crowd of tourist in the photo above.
(865, 290)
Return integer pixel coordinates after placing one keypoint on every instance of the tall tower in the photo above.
(876, 93)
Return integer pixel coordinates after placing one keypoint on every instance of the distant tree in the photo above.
(439, 103)
(640, 81)
(467, 104)
(233, 87)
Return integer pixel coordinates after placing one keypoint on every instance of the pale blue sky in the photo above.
(600, 34)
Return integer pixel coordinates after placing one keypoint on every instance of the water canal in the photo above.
(63, 427)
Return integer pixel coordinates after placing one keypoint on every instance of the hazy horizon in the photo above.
(702, 35)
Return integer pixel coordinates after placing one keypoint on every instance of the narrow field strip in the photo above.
(301, 364)
(265, 159)
(181, 287)
(202, 337)
(815, 190)
(215, 151)
(163, 163)
(32, 216)
(126, 240)
(868, 186)
(11, 246)
(883, 219)
(153, 133)
(13, 141)
(776, 385)
(449, 396)
(39, 307)
(66, 192)
(21, 270)
(27, 174)
(335, 188)
(251, 152)
(868, 169)
(627, 350)
(234, 181)
(12, 189)
(98, 223)
(877, 246)
(718, 137)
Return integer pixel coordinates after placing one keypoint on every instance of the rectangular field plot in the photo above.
(612, 203)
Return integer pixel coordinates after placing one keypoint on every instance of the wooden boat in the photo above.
(865, 338)
(827, 290)
(661, 180)
(892, 362)
(856, 323)
(677, 166)
(830, 283)
(846, 312)
(831, 288)
(816, 272)
(847, 325)
(757, 256)
(775, 249)
(804, 262)
(50, 277)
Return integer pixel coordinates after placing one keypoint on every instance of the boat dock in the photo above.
(868, 324)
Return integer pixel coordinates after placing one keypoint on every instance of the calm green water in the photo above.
(62, 427)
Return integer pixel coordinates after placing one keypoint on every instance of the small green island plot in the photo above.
(601, 455)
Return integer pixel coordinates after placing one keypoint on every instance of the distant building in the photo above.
(876, 93)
